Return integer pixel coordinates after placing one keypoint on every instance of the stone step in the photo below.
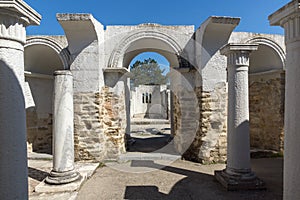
(148, 156)
(149, 121)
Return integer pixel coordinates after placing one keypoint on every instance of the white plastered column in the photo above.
(238, 174)
(15, 15)
(288, 17)
(63, 130)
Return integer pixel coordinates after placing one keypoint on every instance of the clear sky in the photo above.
(254, 14)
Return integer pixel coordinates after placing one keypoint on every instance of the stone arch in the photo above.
(266, 94)
(164, 45)
(43, 55)
(61, 52)
(272, 53)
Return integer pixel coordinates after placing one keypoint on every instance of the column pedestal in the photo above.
(239, 180)
(238, 174)
(63, 131)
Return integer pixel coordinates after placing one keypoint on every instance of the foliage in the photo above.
(147, 72)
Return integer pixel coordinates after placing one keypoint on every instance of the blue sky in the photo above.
(254, 13)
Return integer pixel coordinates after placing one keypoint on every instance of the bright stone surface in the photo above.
(288, 18)
(13, 163)
(63, 130)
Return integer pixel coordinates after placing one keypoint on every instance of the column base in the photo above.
(57, 178)
(239, 181)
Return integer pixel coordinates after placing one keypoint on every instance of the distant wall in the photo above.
(149, 101)
(266, 101)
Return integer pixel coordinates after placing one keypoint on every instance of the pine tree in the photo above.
(147, 72)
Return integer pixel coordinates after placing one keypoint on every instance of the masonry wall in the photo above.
(99, 125)
(266, 99)
(39, 114)
(210, 143)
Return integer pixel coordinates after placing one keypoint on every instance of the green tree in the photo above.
(147, 72)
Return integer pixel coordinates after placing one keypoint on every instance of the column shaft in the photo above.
(288, 17)
(238, 174)
(63, 130)
(15, 15)
(13, 151)
(292, 126)
(238, 146)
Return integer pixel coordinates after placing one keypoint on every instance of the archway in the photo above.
(42, 57)
(266, 95)
(146, 39)
(149, 103)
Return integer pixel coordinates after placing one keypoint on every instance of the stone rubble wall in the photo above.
(99, 125)
(209, 140)
(266, 91)
(210, 143)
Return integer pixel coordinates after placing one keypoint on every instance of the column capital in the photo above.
(288, 17)
(15, 15)
(21, 9)
(238, 54)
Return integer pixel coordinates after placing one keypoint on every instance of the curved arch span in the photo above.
(115, 60)
(63, 53)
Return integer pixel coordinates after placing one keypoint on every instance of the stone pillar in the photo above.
(15, 15)
(288, 17)
(238, 174)
(63, 130)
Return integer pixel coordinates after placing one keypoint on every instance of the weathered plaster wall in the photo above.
(266, 101)
(144, 37)
(156, 108)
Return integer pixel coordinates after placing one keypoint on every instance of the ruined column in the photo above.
(288, 17)
(15, 15)
(238, 174)
(63, 130)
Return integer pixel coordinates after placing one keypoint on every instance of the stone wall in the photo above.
(99, 125)
(266, 91)
(210, 143)
(39, 132)
(113, 121)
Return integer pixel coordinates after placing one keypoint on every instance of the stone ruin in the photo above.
(215, 74)
(99, 60)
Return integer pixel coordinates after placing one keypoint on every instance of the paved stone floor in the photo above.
(39, 165)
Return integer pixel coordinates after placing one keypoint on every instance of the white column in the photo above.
(238, 174)
(14, 17)
(288, 17)
(63, 130)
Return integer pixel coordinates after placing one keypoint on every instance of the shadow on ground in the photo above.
(149, 140)
(37, 174)
(203, 186)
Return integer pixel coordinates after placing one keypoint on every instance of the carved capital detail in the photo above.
(238, 54)
(12, 28)
(238, 58)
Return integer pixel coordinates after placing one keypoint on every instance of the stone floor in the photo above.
(148, 179)
(39, 165)
(151, 170)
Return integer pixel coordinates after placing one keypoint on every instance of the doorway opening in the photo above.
(150, 104)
